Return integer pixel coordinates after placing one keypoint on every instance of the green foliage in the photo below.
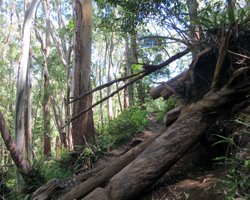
(215, 15)
(7, 180)
(134, 15)
(137, 67)
(68, 30)
(45, 169)
(119, 130)
(236, 183)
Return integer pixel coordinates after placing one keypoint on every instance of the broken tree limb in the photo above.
(105, 85)
(113, 168)
(102, 100)
(148, 69)
(167, 149)
(219, 64)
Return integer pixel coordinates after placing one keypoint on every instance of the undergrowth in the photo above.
(114, 134)
(121, 129)
(236, 182)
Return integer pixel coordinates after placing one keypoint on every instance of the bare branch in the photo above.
(105, 85)
(237, 54)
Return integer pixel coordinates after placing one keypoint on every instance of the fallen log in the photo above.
(103, 175)
(47, 191)
(167, 149)
(171, 116)
(156, 92)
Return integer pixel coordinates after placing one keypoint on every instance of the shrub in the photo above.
(121, 129)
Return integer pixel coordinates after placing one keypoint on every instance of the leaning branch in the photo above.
(21, 164)
(148, 69)
(104, 99)
(105, 85)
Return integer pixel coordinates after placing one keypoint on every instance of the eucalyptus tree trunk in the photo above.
(23, 94)
(83, 127)
(23, 103)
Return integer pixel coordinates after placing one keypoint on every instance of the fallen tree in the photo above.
(208, 95)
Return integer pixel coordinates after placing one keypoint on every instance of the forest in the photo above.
(123, 100)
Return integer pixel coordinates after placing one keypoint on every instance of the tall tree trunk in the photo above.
(46, 116)
(68, 108)
(46, 94)
(127, 98)
(22, 93)
(83, 127)
(100, 93)
(28, 118)
(109, 89)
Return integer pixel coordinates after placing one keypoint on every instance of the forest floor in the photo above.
(185, 180)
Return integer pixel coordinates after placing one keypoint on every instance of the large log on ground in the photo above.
(167, 149)
(156, 92)
(104, 175)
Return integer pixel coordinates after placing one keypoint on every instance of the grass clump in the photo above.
(236, 183)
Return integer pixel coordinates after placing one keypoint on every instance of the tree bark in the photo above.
(83, 127)
(98, 193)
(23, 103)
